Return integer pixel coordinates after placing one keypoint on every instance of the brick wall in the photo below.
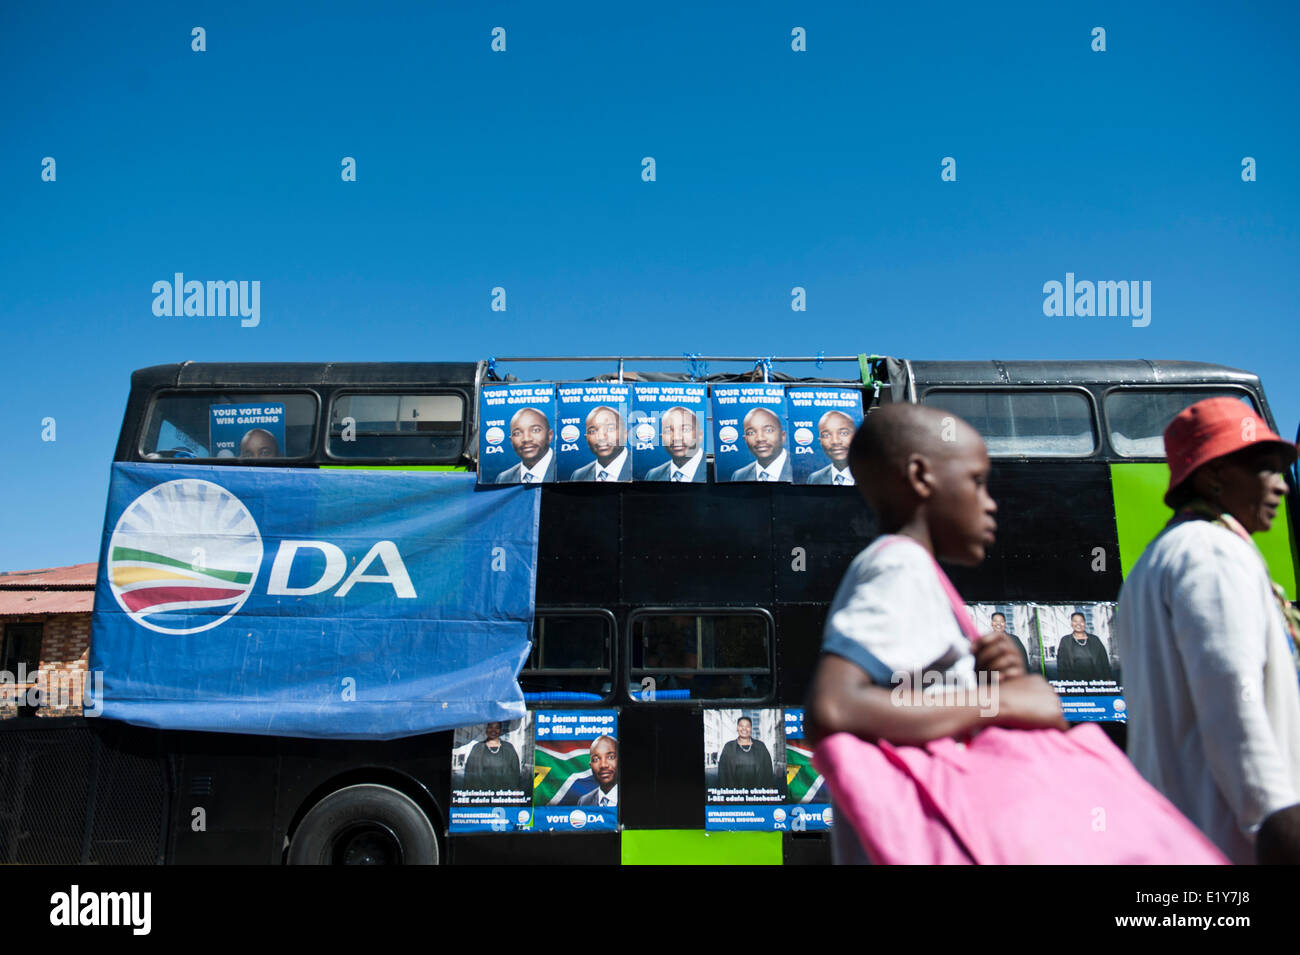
(65, 654)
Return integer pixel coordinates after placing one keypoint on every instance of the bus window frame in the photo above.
(1166, 387)
(701, 610)
(298, 460)
(1099, 445)
(327, 419)
(614, 656)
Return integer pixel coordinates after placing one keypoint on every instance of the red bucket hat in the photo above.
(1211, 429)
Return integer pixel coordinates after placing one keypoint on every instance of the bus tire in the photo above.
(365, 824)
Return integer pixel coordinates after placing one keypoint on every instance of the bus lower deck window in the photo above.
(700, 656)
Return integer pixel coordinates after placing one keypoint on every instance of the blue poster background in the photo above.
(227, 425)
(572, 405)
(731, 404)
(498, 404)
(807, 407)
(342, 604)
(649, 402)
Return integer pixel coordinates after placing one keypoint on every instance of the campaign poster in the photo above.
(592, 418)
(492, 777)
(516, 434)
(575, 771)
(744, 769)
(749, 433)
(823, 421)
(668, 422)
(1017, 620)
(1080, 660)
(809, 805)
(246, 431)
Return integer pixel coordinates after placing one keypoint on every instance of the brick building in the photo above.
(45, 639)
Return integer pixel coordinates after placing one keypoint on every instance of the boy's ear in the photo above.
(919, 476)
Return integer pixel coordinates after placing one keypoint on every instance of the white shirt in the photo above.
(891, 615)
(687, 471)
(607, 799)
(613, 470)
(538, 470)
(773, 470)
(839, 476)
(1213, 703)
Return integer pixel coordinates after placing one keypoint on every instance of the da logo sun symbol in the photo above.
(186, 547)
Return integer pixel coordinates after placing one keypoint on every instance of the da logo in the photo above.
(645, 432)
(186, 547)
(570, 432)
(727, 434)
(495, 435)
(577, 819)
(803, 436)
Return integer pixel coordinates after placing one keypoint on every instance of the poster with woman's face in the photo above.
(1080, 660)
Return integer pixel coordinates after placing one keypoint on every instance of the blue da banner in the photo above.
(340, 604)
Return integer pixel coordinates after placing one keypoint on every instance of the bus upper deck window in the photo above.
(570, 659)
(230, 425)
(1136, 418)
(1024, 423)
(427, 427)
(700, 656)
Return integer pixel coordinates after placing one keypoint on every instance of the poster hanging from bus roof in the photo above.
(246, 431)
(809, 806)
(575, 770)
(492, 777)
(1079, 658)
(516, 443)
(749, 433)
(823, 421)
(298, 602)
(744, 769)
(668, 432)
(592, 418)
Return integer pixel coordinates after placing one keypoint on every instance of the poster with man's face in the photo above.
(576, 771)
(744, 769)
(516, 434)
(492, 777)
(1080, 661)
(668, 432)
(809, 798)
(749, 434)
(823, 421)
(247, 431)
(593, 446)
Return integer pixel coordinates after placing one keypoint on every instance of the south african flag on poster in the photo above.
(803, 781)
(561, 772)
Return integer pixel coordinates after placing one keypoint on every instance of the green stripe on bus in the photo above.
(393, 467)
(697, 847)
(1140, 513)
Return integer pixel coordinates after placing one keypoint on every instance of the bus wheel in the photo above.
(365, 824)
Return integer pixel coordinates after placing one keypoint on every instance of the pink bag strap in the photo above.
(954, 599)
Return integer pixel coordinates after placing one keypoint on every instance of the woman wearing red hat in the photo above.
(1209, 641)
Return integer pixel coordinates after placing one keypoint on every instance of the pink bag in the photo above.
(1008, 796)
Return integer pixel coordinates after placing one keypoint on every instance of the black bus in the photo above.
(1078, 474)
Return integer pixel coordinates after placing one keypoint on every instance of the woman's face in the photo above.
(1250, 484)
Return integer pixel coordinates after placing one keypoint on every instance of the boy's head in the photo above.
(915, 464)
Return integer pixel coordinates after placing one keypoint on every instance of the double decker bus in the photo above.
(743, 572)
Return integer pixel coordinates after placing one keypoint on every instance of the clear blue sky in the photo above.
(523, 169)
